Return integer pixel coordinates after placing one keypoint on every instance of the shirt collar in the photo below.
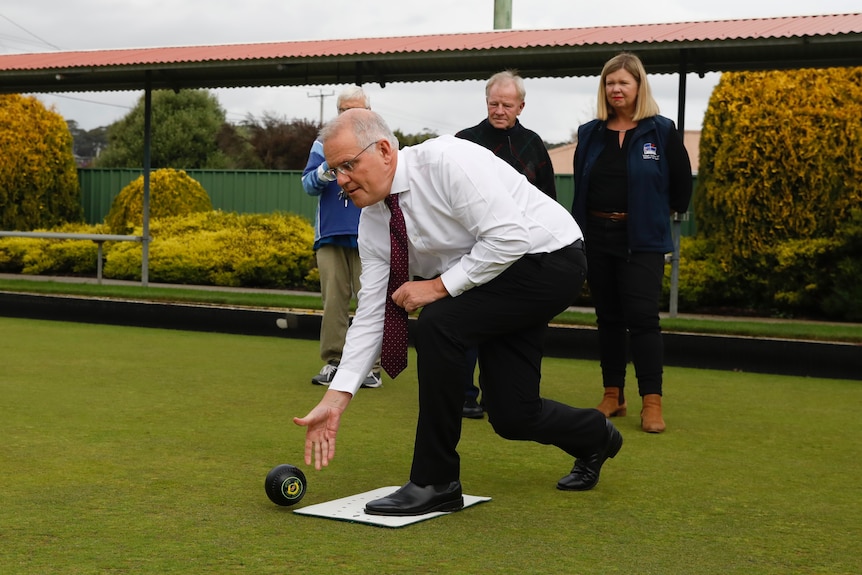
(400, 182)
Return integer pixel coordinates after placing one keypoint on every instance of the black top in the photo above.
(608, 191)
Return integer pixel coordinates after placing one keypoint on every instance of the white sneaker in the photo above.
(372, 380)
(326, 375)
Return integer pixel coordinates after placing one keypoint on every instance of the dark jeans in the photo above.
(625, 289)
(506, 319)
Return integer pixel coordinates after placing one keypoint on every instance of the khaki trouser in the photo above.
(339, 269)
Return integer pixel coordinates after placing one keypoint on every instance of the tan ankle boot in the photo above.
(651, 420)
(610, 404)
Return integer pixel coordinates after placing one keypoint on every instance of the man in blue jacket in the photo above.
(335, 244)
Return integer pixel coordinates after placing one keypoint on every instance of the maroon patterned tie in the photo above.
(393, 356)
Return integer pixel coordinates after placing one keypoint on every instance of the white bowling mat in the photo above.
(352, 508)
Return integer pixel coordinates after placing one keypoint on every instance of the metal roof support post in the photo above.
(676, 230)
(145, 239)
(680, 105)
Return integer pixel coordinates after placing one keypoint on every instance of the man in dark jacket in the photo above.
(524, 150)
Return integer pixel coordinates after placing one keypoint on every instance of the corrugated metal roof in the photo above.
(787, 42)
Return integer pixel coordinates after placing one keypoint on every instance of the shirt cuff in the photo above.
(348, 381)
(455, 280)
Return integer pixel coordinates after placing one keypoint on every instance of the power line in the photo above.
(13, 39)
(54, 46)
(90, 101)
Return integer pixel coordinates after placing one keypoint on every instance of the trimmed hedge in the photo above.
(779, 196)
(780, 157)
(815, 277)
(172, 193)
(202, 248)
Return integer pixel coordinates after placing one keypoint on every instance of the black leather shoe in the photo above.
(415, 500)
(472, 410)
(585, 473)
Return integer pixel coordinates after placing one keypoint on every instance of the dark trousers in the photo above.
(506, 319)
(471, 391)
(626, 289)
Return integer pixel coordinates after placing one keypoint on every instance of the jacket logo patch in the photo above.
(650, 152)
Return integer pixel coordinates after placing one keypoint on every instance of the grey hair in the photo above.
(367, 127)
(353, 93)
(510, 75)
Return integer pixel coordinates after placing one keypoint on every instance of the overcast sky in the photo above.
(554, 109)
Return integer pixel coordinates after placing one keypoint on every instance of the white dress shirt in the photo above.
(469, 216)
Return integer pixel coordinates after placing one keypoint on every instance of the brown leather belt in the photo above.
(613, 216)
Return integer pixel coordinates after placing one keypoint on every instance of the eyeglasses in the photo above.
(346, 168)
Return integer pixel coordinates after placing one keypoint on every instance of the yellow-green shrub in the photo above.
(780, 177)
(821, 275)
(172, 193)
(37, 256)
(16, 253)
(780, 157)
(818, 277)
(702, 281)
(226, 249)
(38, 178)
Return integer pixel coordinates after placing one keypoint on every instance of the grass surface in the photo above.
(822, 331)
(143, 451)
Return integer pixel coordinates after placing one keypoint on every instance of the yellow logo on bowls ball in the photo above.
(292, 487)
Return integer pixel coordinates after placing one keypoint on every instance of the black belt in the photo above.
(575, 245)
(613, 216)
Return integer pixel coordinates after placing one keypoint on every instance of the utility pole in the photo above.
(502, 14)
(321, 95)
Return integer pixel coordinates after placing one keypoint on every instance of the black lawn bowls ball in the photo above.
(285, 485)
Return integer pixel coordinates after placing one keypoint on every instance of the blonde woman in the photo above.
(631, 173)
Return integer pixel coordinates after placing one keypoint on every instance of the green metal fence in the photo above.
(245, 191)
(242, 191)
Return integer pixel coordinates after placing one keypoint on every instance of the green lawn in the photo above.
(143, 451)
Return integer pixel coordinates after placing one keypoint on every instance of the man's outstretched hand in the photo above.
(322, 423)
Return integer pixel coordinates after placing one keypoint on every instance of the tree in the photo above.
(413, 139)
(235, 142)
(38, 180)
(87, 144)
(281, 144)
(185, 128)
